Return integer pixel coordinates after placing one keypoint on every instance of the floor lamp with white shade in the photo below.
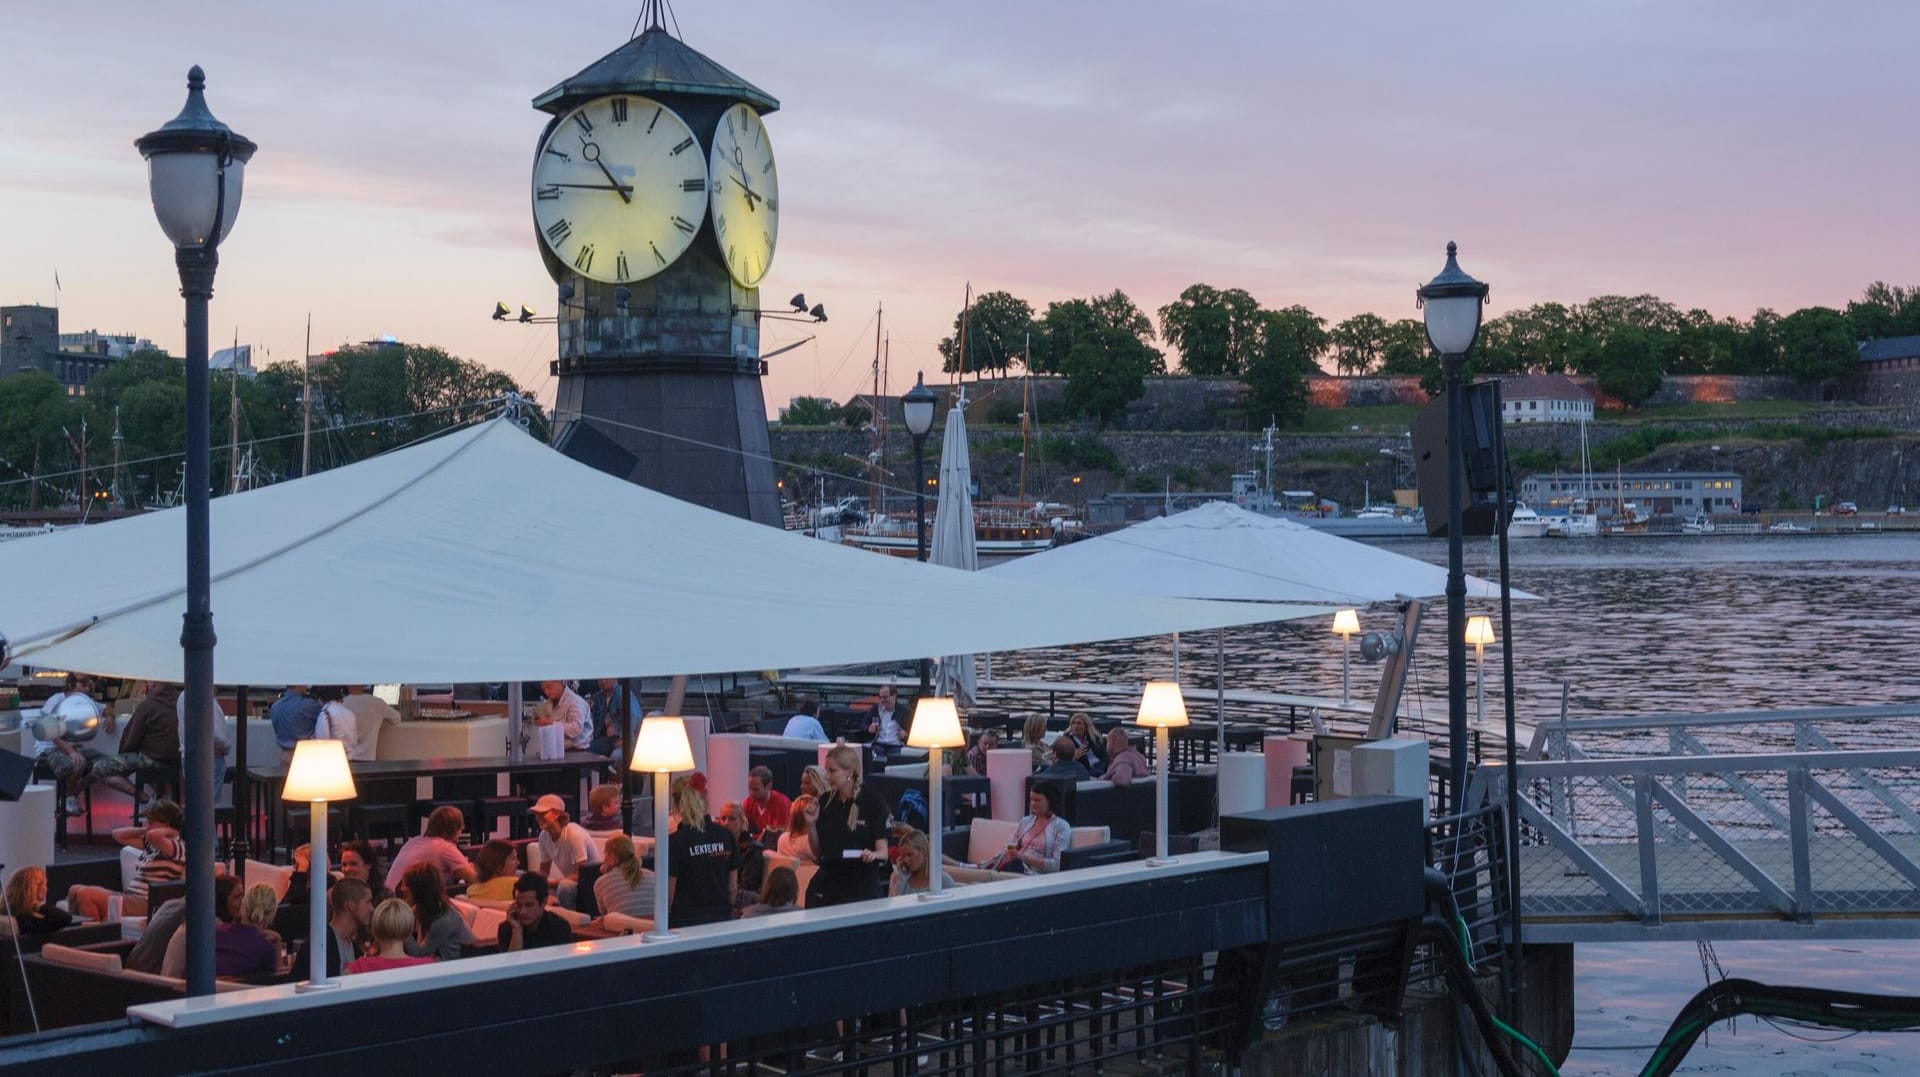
(318, 775)
(936, 727)
(661, 749)
(1161, 708)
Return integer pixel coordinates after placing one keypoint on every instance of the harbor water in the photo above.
(1646, 626)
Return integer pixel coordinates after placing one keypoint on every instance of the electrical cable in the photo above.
(1805, 1006)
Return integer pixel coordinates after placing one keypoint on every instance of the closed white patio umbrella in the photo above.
(953, 540)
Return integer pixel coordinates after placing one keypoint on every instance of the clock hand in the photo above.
(622, 188)
(751, 197)
(591, 151)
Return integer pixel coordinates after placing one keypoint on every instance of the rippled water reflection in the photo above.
(1649, 626)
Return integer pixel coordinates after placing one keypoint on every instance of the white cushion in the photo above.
(80, 959)
(908, 770)
(129, 867)
(486, 923)
(467, 910)
(988, 838)
(274, 875)
(1084, 836)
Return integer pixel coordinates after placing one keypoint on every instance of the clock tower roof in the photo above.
(654, 62)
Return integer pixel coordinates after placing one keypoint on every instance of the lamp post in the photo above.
(195, 165)
(1161, 708)
(318, 775)
(1452, 303)
(936, 727)
(660, 749)
(1345, 624)
(1480, 633)
(916, 406)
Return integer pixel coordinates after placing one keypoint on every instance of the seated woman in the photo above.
(358, 861)
(1039, 839)
(1033, 737)
(1088, 748)
(27, 901)
(246, 945)
(624, 886)
(163, 858)
(780, 893)
(392, 933)
(439, 931)
(911, 870)
(498, 866)
(794, 842)
(813, 782)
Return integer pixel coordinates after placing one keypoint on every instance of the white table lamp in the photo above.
(936, 727)
(660, 749)
(318, 775)
(1161, 708)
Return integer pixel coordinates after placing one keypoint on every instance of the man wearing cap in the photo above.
(564, 846)
(568, 711)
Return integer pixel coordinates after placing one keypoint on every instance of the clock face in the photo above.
(745, 194)
(618, 188)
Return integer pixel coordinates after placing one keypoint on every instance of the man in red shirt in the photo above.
(766, 806)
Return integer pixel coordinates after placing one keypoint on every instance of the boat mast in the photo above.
(966, 309)
(306, 402)
(83, 464)
(114, 499)
(886, 391)
(874, 442)
(233, 416)
(1026, 404)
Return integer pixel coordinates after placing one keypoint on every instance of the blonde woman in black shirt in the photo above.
(848, 831)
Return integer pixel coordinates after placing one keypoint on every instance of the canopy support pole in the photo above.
(1219, 706)
(239, 849)
(1176, 658)
(629, 732)
(516, 745)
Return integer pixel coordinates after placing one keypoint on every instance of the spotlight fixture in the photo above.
(501, 312)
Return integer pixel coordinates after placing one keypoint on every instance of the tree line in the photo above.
(366, 399)
(1105, 345)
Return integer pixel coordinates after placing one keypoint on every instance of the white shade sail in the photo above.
(484, 555)
(1220, 550)
(953, 539)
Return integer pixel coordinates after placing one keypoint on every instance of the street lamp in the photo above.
(1452, 304)
(917, 407)
(1480, 633)
(318, 775)
(936, 727)
(1345, 624)
(660, 749)
(1161, 708)
(195, 165)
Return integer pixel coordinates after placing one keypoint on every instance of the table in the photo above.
(263, 812)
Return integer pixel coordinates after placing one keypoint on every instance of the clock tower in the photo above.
(656, 208)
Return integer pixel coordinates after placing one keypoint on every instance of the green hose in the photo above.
(1466, 948)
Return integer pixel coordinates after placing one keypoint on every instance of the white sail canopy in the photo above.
(1223, 551)
(484, 555)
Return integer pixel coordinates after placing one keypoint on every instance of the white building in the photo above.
(111, 345)
(1545, 398)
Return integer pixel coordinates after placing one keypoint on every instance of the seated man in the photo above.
(603, 809)
(440, 846)
(151, 741)
(1125, 761)
(766, 807)
(977, 755)
(806, 724)
(63, 756)
(529, 925)
(1064, 766)
(884, 724)
(349, 919)
(564, 847)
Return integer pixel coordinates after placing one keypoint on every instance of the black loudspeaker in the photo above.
(582, 442)
(1480, 485)
(16, 771)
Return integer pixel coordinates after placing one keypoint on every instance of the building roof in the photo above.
(654, 61)
(1598, 477)
(1873, 351)
(1543, 387)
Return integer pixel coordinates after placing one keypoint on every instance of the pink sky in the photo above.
(1723, 155)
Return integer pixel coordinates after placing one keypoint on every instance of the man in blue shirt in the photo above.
(293, 716)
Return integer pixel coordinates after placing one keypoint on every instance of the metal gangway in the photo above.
(1747, 825)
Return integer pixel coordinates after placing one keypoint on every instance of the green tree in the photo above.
(1290, 343)
(1359, 343)
(997, 326)
(810, 411)
(1627, 365)
(1406, 353)
(1101, 345)
(1885, 310)
(1817, 345)
(1063, 326)
(1215, 332)
(37, 421)
(382, 396)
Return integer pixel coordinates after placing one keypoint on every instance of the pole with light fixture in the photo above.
(936, 727)
(1452, 304)
(1345, 624)
(1480, 633)
(1161, 708)
(195, 165)
(318, 775)
(916, 406)
(661, 749)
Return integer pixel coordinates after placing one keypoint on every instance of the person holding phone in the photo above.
(847, 830)
(1040, 838)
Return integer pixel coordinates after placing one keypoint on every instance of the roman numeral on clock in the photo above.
(586, 125)
(684, 225)
(547, 193)
(619, 110)
(567, 157)
(584, 260)
(657, 256)
(693, 185)
(773, 204)
(559, 230)
(656, 119)
(620, 265)
(682, 145)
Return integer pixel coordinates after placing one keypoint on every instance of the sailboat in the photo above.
(1583, 518)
